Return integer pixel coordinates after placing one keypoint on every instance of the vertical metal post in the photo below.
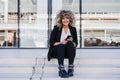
(80, 10)
(18, 32)
(49, 19)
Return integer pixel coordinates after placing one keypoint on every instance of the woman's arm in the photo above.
(52, 37)
(75, 40)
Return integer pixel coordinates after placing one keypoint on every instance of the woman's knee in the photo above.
(60, 46)
(70, 43)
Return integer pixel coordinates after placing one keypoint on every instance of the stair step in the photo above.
(54, 79)
(87, 70)
(38, 70)
(15, 75)
(36, 76)
(42, 53)
(49, 76)
(76, 79)
(88, 61)
(100, 65)
(16, 65)
(14, 79)
(98, 53)
(33, 65)
(16, 70)
(21, 61)
(54, 61)
(17, 61)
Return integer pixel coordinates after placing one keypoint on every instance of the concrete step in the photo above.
(85, 70)
(24, 73)
(90, 64)
(21, 61)
(16, 70)
(15, 75)
(42, 53)
(84, 61)
(17, 61)
(14, 79)
(81, 77)
(20, 68)
(56, 78)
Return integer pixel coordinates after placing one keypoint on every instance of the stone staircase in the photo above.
(90, 64)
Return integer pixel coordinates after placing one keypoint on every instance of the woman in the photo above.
(63, 42)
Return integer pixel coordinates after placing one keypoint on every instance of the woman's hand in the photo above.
(70, 39)
(64, 42)
(56, 43)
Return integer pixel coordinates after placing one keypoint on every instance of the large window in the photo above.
(28, 23)
(72, 5)
(33, 24)
(8, 24)
(100, 23)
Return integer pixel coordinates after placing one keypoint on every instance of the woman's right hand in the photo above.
(56, 43)
(63, 42)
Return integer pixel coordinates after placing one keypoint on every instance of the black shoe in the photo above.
(70, 70)
(63, 74)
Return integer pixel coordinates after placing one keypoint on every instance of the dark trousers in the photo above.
(65, 51)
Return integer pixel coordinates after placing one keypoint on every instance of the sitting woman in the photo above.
(63, 42)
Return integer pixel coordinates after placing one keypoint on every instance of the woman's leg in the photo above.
(70, 52)
(60, 57)
(60, 54)
(71, 55)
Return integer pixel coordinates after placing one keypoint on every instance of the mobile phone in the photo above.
(69, 36)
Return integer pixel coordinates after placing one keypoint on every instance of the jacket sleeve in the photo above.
(75, 37)
(53, 37)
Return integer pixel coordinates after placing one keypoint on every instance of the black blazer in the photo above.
(56, 35)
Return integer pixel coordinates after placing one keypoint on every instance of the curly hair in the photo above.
(65, 13)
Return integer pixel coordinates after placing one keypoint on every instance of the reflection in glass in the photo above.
(8, 24)
(72, 5)
(100, 23)
(33, 24)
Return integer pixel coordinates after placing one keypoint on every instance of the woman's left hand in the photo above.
(70, 39)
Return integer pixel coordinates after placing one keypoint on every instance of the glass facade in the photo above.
(33, 24)
(8, 24)
(100, 23)
(29, 26)
(72, 5)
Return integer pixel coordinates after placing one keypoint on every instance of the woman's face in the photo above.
(65, 21)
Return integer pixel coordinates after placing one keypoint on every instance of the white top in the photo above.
(64, 35)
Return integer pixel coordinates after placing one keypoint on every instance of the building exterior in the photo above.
(28, 23)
